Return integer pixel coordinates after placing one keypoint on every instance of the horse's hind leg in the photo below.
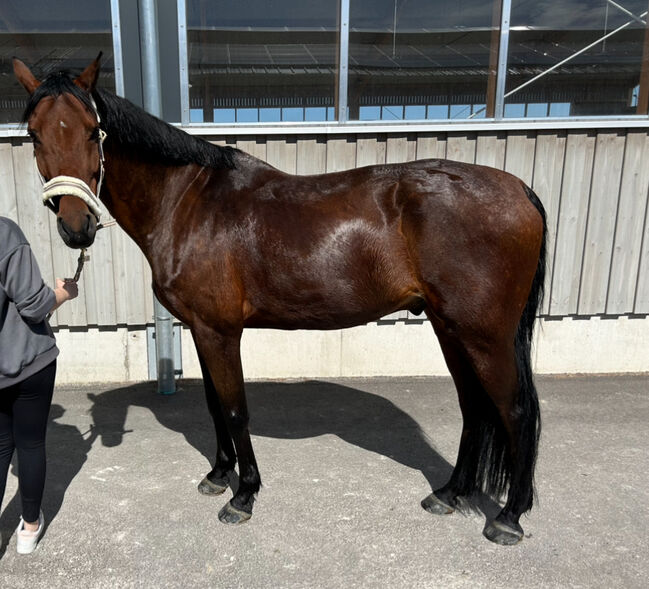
(509, 448)
(463, 478)
(218, 479)
(500, 430)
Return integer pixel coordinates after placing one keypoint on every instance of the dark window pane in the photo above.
(598, 81)
(49, 36)
(405, 53)
(278, 56)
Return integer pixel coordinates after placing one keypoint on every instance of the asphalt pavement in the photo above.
(344, 465)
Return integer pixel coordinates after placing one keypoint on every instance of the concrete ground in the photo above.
(344, 465)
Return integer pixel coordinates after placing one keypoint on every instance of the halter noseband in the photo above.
(69, 185)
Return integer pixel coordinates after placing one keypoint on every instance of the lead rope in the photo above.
(83, 256)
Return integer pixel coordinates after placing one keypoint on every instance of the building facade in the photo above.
(556, 92)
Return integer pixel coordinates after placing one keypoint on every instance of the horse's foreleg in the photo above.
(221, 354)
(218, 479)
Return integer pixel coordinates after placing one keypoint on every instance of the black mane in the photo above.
(135, 130)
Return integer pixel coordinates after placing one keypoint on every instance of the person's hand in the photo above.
(68, 287)
(64, 291)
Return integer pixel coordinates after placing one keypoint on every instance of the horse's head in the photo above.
(63, 123)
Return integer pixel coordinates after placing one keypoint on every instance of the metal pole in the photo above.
(117, 47)
(343, 60)
(503, 56)
(494, 47)
(642, 107)
(183, 55)
(150, 54)
(627, 12)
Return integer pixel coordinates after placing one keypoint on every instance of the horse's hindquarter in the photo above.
(475, 237)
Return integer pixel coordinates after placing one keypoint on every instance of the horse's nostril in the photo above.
(62, 226)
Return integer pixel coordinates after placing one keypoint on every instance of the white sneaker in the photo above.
(26, 541)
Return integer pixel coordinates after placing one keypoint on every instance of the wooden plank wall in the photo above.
(594, 185)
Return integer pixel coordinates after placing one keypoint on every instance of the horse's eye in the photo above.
(94, 136)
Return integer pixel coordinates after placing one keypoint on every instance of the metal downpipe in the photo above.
(151, 92)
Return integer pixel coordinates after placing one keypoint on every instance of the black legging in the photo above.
(24, 408)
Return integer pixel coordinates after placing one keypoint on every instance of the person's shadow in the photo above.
(67, 451)
(283, 410)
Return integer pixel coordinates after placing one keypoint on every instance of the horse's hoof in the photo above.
(434, 504)
(232, 515)
(503, 534)
(207, 487)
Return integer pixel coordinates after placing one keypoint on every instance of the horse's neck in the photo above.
(144, 197)
(135, 194)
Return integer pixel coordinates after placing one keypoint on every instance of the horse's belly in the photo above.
(355, 273)
(332, 314)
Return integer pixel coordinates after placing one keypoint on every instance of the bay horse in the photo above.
(233, 243)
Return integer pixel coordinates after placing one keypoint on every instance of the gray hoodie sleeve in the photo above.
(22, 282)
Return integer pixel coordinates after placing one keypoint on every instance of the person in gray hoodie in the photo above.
(27, 369)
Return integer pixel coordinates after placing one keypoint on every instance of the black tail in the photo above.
(528, 403)
(487, 465)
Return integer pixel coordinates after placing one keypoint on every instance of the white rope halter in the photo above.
(69, 185)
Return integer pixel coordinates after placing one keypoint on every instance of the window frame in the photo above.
(342, 123)
(498, 121)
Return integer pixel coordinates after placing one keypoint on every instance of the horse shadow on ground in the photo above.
(282, 410)
(289, 411)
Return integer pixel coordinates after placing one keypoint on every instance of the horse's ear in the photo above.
(25, 76)
(88, 77)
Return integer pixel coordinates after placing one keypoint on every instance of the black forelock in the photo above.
(55, 85)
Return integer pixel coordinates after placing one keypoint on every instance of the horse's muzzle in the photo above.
(84, 237)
